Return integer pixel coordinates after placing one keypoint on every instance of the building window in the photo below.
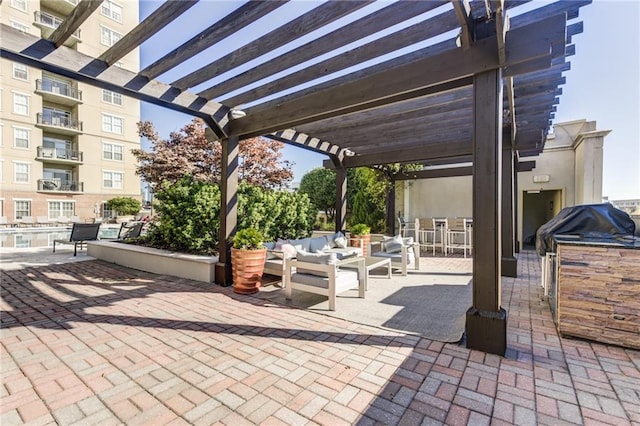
(112, 180)
(108, 37)
(20, 71)
(19, 4)
(22, 208)
(20, 172)
(111, 10)
(112, 151)
(20, 104)
(61, 209)
(20, 26)
(111, 124)
(111, 97)
(21, 137)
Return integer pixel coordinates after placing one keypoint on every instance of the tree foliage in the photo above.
(320, 186)
(367, 198)
(188, 152)
(124, 205)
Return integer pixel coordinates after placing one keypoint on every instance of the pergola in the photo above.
(467, 81)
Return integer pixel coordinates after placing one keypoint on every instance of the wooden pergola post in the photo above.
(509, 260)
(516, 162)
(228, 208)
(341, 194)
(486, 321)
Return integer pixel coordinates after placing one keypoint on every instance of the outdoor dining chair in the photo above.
(80, 234)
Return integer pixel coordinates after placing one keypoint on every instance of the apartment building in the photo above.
(66, 146)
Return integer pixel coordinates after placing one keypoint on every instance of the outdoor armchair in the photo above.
(80, 234)
(320, 273)
(402, 251)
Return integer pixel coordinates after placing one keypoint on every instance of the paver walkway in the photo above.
(93, 343)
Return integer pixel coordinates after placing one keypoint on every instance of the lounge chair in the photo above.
(4, 222)
(80, 234)
(321, 274)
(27, 221)
(128, 230)
(42, 221)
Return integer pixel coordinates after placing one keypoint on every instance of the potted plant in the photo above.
(125, 207)
(360, 236)
(248, 255)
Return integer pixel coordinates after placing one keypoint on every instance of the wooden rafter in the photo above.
(30, 50)
(392, 42)
(370, 24)
(451, 66)
(235, 21)
(80, 13)
(162, 16)
(314, 19)
(463, 13)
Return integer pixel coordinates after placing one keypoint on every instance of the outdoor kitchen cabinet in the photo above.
(598, 292)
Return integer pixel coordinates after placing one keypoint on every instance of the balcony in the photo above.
(59, 155)
(62, 7)
(48, 24)
(57, 92)
(59, 186)
(59, 124)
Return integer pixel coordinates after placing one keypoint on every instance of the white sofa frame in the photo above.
(331, 287)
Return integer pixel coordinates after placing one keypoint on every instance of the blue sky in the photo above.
(603, 85)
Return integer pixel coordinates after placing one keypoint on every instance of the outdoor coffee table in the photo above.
(372, 262)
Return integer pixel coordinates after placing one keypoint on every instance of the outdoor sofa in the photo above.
(279, 250)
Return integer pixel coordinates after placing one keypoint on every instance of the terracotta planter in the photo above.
(355, 240)
(247, 267)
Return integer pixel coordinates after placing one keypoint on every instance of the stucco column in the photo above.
(228, 208)
(486, 321)
(588, 173)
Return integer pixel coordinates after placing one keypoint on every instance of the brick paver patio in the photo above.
(93, 343)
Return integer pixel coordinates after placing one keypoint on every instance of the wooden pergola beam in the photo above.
(162, 16)
(451, 66)
(231, 23)
(80, 13)
(390, 43)
(42, 54)
(312, 20)
(356, 30)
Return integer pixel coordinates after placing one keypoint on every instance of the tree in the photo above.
(320, 185)
(366, 196)
(125, 206)
(188, 152)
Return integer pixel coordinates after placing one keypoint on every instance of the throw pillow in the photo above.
(288, 250)
(393, 245)
(341, 241)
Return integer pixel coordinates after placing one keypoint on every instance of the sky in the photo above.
(603, 85)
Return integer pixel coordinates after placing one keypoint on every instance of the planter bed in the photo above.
(194, 267)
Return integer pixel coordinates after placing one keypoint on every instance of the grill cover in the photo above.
(593, 221)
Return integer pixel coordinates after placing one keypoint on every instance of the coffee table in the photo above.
(372, 262)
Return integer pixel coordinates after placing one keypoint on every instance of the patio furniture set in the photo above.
(325, 265)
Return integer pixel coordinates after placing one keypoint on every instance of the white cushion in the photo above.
(289, 251)
(317, 258)
(393, 245)
(341, 241)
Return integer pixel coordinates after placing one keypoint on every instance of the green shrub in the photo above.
(360, 229)
(124, 206)
(188, 217)
(248, 239)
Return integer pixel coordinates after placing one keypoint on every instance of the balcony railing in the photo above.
(59, 185)
(49, 86)
(59, 121)
(51, 21)
(47, 153)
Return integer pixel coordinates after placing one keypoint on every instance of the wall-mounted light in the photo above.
(236, 113)
(541, 178)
